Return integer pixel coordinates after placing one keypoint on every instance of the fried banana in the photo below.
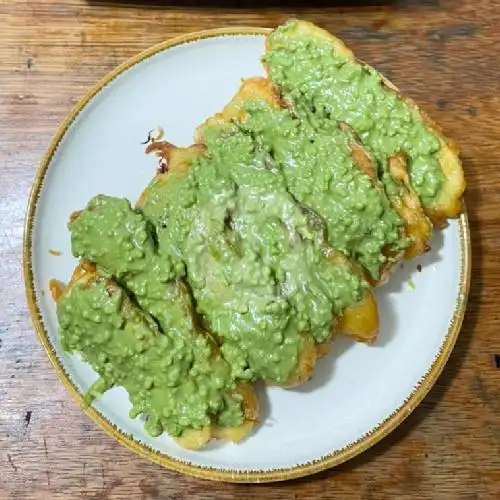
(181, 385)
(319, 77)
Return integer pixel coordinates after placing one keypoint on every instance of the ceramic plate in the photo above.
(358, 394)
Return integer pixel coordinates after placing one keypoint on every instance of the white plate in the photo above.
(359, 393)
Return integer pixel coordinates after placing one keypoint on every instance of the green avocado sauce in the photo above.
(126, 349)
(320, 173)
(191, 383)
(324, 86)
(255, 260)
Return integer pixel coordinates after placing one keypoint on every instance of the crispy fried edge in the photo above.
(449, 202)
(418, 225)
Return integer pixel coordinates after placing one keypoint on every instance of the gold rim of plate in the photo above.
(253, 476)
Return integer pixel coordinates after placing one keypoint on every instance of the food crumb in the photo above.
(411, 284)
(55, 253)
(419, 268)
(56, 289)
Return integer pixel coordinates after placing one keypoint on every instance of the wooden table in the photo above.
(444, 52)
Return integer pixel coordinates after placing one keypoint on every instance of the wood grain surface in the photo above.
(444, 53)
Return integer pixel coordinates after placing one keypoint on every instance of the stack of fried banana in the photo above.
(253, 248)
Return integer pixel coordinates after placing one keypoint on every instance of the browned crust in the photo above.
(361, 320)
(257, 88)
(418, 225)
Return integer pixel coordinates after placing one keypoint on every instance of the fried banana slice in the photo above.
(320, 79)
(361, 320)
(109, 233)
(329, 171)
(241, 309)
(277, 206)
(182, 388)
(259, 89)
